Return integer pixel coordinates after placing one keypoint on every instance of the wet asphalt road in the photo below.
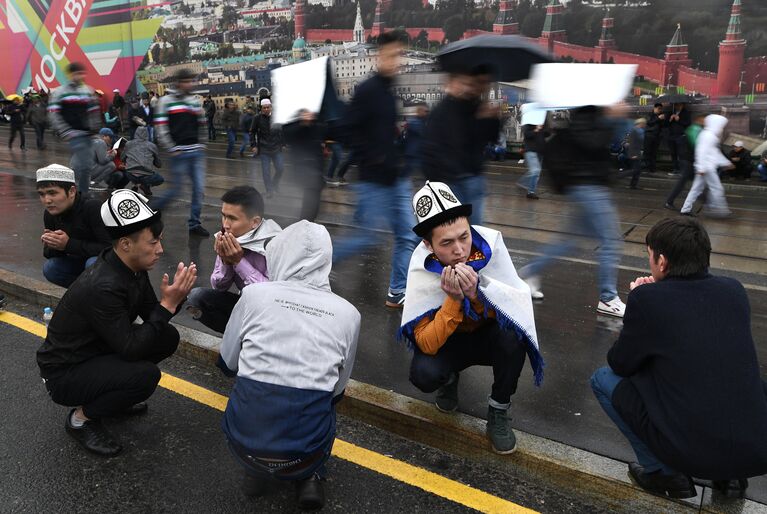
(574, 338)
(175, 458)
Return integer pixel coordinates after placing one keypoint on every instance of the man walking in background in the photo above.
(180, 123)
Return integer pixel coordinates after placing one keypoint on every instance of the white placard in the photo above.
(533, 114)
(566, 85)
(298, 86)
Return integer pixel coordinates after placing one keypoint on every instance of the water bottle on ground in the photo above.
(47, 315)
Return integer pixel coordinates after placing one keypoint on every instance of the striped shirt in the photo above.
(74, 111)
(180, 123)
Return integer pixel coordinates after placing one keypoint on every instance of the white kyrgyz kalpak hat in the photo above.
(266, 101)
(126, 212)
(739, 144)
(435, 204)
(55, 173)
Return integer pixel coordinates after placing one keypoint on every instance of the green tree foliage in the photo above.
(454, 27)
(229, 17)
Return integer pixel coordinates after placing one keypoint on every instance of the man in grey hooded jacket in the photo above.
(292, 344)
(141, 159)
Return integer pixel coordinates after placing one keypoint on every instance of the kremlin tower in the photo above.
(298, 17)
(731, 56)
(504, 23)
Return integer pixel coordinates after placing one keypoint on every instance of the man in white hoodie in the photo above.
(708, 158)
(291, 342)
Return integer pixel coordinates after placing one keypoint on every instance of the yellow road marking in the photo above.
(23, 323)
(396, 469)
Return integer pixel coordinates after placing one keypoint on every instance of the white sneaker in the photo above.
(614, 307)
(534, 283)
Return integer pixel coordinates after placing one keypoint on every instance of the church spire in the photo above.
(359, 28)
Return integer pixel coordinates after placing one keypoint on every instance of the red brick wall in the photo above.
(697, 81)
(579, 53)
(650, 68)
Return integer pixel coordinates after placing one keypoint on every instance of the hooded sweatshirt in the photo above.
(708, 154)
(292, 343)
(141, 154)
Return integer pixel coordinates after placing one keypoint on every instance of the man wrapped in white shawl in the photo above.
(466, 306)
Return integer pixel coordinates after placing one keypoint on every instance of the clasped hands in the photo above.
(55, 239)
(459, 282)
(641, 280)
(226, 246)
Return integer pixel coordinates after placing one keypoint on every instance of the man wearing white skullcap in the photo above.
(94, 357)
(466, 306)
(74, 233)
(267, 138)
(741, 158)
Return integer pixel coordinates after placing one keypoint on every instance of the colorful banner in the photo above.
(40, 38)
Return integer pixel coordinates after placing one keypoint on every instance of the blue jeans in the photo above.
(336, 152)
(762, 169)
(191, 164)
(231, 136)
(245, 142)
(82, 160)
(533, 161)
(62, 271)
(603, 383)
(376, 204)
(594, 212)
(471, 190)
(272, 184)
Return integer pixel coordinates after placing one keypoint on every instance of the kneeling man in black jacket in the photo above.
(94, 357)
(683, 382)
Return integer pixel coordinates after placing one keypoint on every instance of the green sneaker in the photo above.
(499, 432)
(447, 395)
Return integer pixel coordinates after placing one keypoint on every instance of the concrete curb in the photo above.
(599, 478)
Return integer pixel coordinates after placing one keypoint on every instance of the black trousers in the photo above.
(651, 144)
(107, 385)
(677, 145)
(20, 130)
(216, 306)
(39, 134)
(688, 174)
(636, 170)
(489, 345)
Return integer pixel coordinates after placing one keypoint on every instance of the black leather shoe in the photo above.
(733, 489)
(669, 206)
(135, 410)
(253, 487)
(199, 231)
(677, 485)
(93, 437)
(311, 493)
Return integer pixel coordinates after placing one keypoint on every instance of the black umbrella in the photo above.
(674, 98)
(510, 57)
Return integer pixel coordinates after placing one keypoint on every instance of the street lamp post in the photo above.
(740, 84)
